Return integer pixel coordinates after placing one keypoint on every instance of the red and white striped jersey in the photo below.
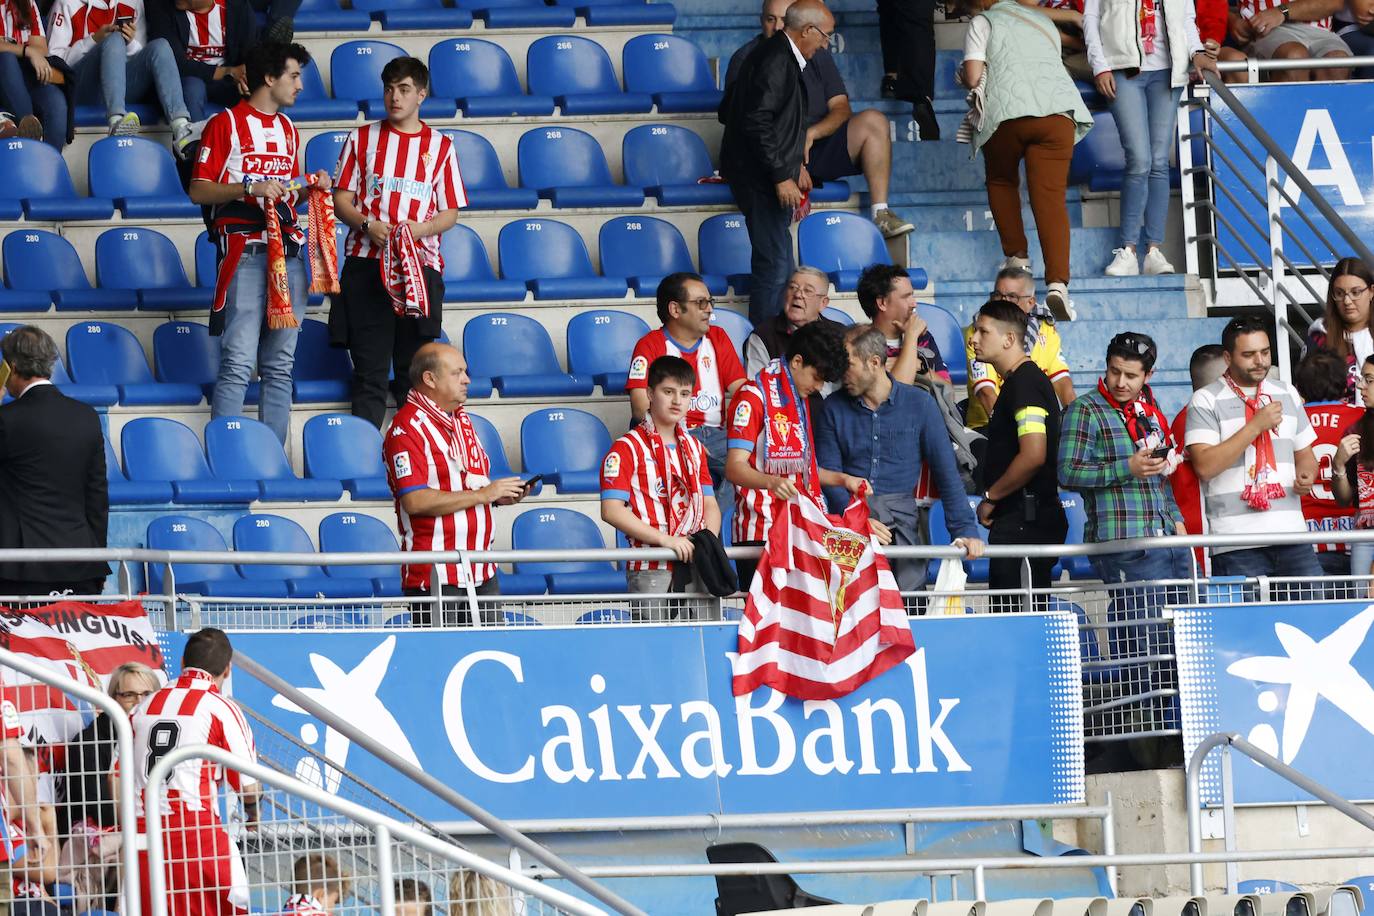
(418, 455)
(1249, 8)
(754, 508)
(629, 473)
(73, 24)
(398, 176)
(713, 359)
(303, 905)
(1330, 421)
(190, 711)
(243, 141)
(205, 42)
(21, 27)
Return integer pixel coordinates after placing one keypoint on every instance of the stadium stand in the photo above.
(480, 77)
(243, 449)
(566, 446)
(40, 186)
(552, 259)
(669, 162)
(166, 451)
(275, 534)
(672, 70)
(566, 166)
(577, 72)
(38, 261)
(565, 529)
(140, 176)
(347, 449)
(600, 344)
(515, 352)
(183, 532)
(347, 532)
(483, 179)
(146, 261)
(644, 250)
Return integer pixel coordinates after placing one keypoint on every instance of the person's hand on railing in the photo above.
(973, 547)
(1204, 61)
(681, 546)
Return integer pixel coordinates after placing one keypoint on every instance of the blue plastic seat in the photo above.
(672, 70)
(483, 178)
(567, 167)
(162, 450)
(326, 16)
(1077, 567)
(518, 618)
(145, 260)
(42, 268)
(843, 317)
(977, 570)
(349, 532)
(468, 276)
(949, 337)
(667, 161)
(207, 261)
(355, 72)
(495, 448)
(515, 352)
(95, 395)
(519, 14)
(565, 529)
(125, 492)
(1098, 159)
(1366, 885)
(324, 149)
(737, 326)
(553, 261)
(579, 76)
(275, 534)
(141, 177)
(94, 115)
(842, 245)
(566, 445)
(321, 373)
(480, 78)
(1266, 886)
(600, 344)
(186, 354)
(723, 248)
(345, 448)
(243, 449)
(606, 615)
(644, 250)
(314, 103)
(101, 353)
(38, 183)
(395, 15)
(623, 12)
(182, 532)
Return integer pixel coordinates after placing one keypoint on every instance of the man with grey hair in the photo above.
(885, 431)
(52, 474)
(807, 295)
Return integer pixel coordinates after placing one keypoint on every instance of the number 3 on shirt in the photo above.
(162, 739)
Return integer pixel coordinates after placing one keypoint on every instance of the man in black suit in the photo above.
(53, 491)
(764, 113)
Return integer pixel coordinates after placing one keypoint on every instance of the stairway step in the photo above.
(965, 211)
(1085, 340)
(976, 255)
(1139, 299)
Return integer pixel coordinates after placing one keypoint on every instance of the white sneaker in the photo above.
(1156, 263)
(1012, 260)
(1058, 302)
(1124, 264)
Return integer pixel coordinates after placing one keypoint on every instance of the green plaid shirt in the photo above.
(1094, 459)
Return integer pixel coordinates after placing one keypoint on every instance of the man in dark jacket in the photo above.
(764, 113)
(52, 474)
(209, 39)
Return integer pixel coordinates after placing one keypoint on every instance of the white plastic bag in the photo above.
(949, 589)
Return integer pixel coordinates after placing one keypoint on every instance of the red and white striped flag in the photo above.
(824, 614)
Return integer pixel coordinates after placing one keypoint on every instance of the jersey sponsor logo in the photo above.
(400, 463)
(742, 414)
(275, 164)
(205, 53)
(639, 368)
(705, 402)
(611, 466)
(395, 184)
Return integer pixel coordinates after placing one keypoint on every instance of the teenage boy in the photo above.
(247, 156)
(398, 190)
(655, 486)
(318, 885)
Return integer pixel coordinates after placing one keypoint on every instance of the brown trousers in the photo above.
(1046, 145)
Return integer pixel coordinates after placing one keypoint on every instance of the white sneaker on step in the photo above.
(1058, 302)
(1012, 260)
(1156, 263)
(1124, 263)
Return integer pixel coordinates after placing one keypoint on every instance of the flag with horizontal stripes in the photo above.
(824, 615)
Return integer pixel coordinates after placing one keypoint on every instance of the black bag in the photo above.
(711, 564)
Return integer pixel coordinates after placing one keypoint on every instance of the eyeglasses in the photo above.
(806, 291)
(1009, 297)
(824, 34)
(133, 694)
(1364, 381)
(703, 303)
(1348, 294)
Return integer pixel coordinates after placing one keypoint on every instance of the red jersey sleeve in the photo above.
(746, 418)
(214, 149)
(406, 466)
(449, 193)
(348, 176)
(727, 360)
(617, 472)
(1212, 20)
(649, 348)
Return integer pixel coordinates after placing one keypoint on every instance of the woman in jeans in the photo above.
(1139, 52)
(1352, 476)
(1025, 109)
(1343, 327)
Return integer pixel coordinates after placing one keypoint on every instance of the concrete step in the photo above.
(1141, 300)
(962, 211)
(976, 255)
(1085, 340)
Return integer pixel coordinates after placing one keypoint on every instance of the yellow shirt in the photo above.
(1045, 351)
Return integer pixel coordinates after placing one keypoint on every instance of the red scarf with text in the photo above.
(403, 274)
(785, 443)
(463, 444)
(319, 241)
(1149, 24)
(685, 503)
(1145, 422)
(1261, 480)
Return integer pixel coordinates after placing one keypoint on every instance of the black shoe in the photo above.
(282, 31)
(889, 87)
(924, 115)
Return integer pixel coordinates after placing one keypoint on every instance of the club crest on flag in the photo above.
(845, 549)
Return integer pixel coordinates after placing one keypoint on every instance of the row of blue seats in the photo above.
(328, 16)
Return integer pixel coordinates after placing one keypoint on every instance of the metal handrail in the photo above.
(1301, 63)
(386, 829)
(1270, 763)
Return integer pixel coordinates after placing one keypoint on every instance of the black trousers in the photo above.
(378, 340)
(22, 588)
(906, 30)
(1050, 527)
(456, 613)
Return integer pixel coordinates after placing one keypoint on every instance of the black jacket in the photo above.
(53, 491)
(764, 113)
(240, 34)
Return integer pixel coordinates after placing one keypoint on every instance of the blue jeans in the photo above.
(109, 76)
(247, 342)
(712, 438)
(1361, 557)
(1146, 110)
(21, 94)
(1361, 45)
(769, 224)
(197, 93)
(1280, 560)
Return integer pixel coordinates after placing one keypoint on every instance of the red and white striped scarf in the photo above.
(460, 435)
(1261, 479)
(685, 503)
(403, 273)
(319, 243)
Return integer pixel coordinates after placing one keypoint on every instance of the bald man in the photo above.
(764, 146)
(439, 475)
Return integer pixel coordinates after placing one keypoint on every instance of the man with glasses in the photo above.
(808, 294)
(1017, 285)
(684, 307)
(839, 141)
(763, 148)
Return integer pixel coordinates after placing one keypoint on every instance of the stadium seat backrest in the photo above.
(103, 353)
(322, 152)
(33, 169)
(132, 167)
(665, 63)
(495, 448)
(477, 160)
(342, 447)
(137, 258)
(603, 341)
(315, 358)
(240, 448)
(355, 68)
(840, 241)
(504, 343)
(1266, 886)
(184, 351)
(353, 532)
(723, 246)
(312, 83)
(112, 469)
(155, 448)
(1366, 885)
(465, 257)
(36, 259)
(638, 246)
(944, 327)
(561, 157)
(556, 529)
(559, 65)
(207, 260)
(541, 249)
(182, 532)
(735, 324)
(843, 317)
(273, 534)
(468, 68)
(664, 154)
(562, 439)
